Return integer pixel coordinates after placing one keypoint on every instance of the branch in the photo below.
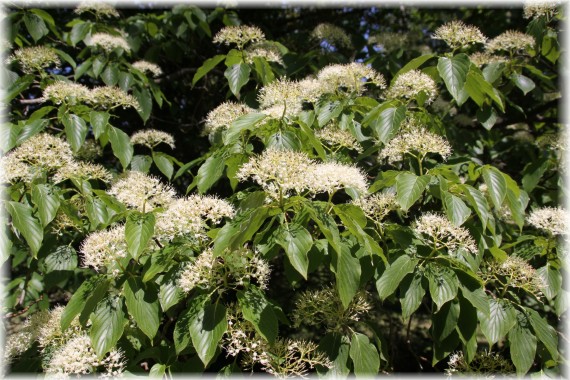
(31, 101)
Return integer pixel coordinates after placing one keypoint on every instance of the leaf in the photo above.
(347, 271)
(62, 258)
(142, 304)
(159, 262)
(443, 284)
(164, 164)
(501, 319)
(478, 89)
(126, 80)
(445, 320)
(533, 172)
(26, 224)
(35, 26)
(144, 99)
(257, 310)
(544, 332)
(487, 117)
(170, 293)
(75, 130)
(210, 172)
(364, 356)
(284, 140)
(107, 324)
(47, 201)
(552, 279)
(455, 208)
(453, 71)
(99, 122)
(139, 228)
(393, 275)
(264, 70)
(157, 371)
(242, 228)
(206, 67)
(413, 64)
(388, 122)
(237, 76)
(78, 32)
(121, 145)
(522, 345)
(478, 201)
(296, 241)
(78, 300)
(244, 122)
(524, 83)
(96, 212)
(496, 185)
(412, 292)
(328, 110)
(409, 188)
(141, 163)
(207, 326)
(21, 84)
(110, 75)
(336, 347)
(477, 298)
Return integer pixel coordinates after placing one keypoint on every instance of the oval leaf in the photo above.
(364, 356)
(108, 324)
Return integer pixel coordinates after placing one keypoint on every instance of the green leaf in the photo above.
(244, 122)
(456, 210)
(296, 241)
(237, 76)
(108, 323)
(257, 310)
(467, 328)
(47, 201)
(83, 68)
(144, 99)
(479, 203)
(499, 322)
(413, 64)
(30, 129)
(533, 172)
(453, 71)
(78, 300)
(170, 293)
(445, 320)
(412, 292)
(121, 145)
(207, 326)
(21, 84)
(142, 304)
(389, 281)
(164, 163)
(26, 224)
(206, 67)
(337, 347)
(544, 332)
(524, 83)
(138, 231)
(99, 121)
(443, 284)
(388, 123)
(328, 110)
(126, 80)
(110, 75)
(210, 172)
(487, 117)
(552, 279)
(157, 371)
(496, 185)
(478, 89)
(35, 26)
(477, 298)
(284, 140)
(347, 271)
(98, 65)
(242, 228)
(409, 188)
(264, 70)
(364, 356)
(75, 130)
(159, 262)
(62, 258)
(522, 345)
(78, 32)
(141, 163)
(96, 212)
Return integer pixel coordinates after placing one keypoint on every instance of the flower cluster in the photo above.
(189, 216)
(410, 84)
(329, 177)
(224, 115)
(89, 151)
(146, 66)
(109, 42)
(324, 308)
(332, 34)
(334, 136)
(35, 58)
(484, 363)
(106, 97)
(242, 337)
(516, 272)
(152, 138)
(265, 50)
(285, 94)
(484, 58)
(554, 220)
(231, 270)
(66, 92)
(351, 77)
(377, 206)
(389, 41)
(535, 9)
(239, 35)
(416, 141)
(438, 232)
(459, 35)
(142, 192)
(82, 170)
(98, 8)
(510, 41)
(102, 249)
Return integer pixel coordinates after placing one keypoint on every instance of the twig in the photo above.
(12, 315)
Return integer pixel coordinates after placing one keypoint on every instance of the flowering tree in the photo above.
(350, 205)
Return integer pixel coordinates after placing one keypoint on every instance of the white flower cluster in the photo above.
(332, 34)
(109, 42)
(535, 9)
(109, 97)
(145, 66)
(98, 8)
(519, 274)
(142, 192)
(510, 41)
(336, 137)
(389, 41)
(551, 219)
(82, 170)
(239, 35)
(438, 232)
(377, 206)
(352, 76)
(484, 58)
(102, 249)
(66, 92)
(412, 83)
(35, 58)
(232, 269)
(282, 172)
(459, 35)
(265, 50)
(224, 115)
(282, 97)
(242, 337)
(152, 138)
(484, 363)
(106, 97)
(189, 216)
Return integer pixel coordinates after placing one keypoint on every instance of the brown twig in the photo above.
(16, 314)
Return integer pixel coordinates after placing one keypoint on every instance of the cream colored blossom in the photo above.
(438, 232)
(332, 34)
(336, 137)
(516, 272)
(16, 344)
(459, 35)
(152, 138)
(484, 363)
(67, 92)
(89, 150)
(35, 58)
(149, 67)
(377, 206)
(109, 97)
(311, 89)
(224, 115)
(353, 77)
(265, 50)
(284, 93)
(390, 41)
(98, 8)
(109, 42)
(231, 270)
(511, 40)
(241, 337)
(102, 249)
(332, 176)
(535, 9)
(142, 192)
(484, 58)
(551, 219)
(82, 170)
(12, 170)
(410, 84)
(239, 35)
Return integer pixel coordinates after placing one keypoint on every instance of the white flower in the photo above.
(438, 232)
(146, 66)
(35, 58)
(334, 136)
(83, 170)
(98, 8)
(535, 9)
(353, 77)
(412, 83)
(224, 115)
(142, 192)
(151, 138)
(239, 35)
(511, 40)
(377, 206)
(109, 42)
(332, 176)
(458, 35)
(102, 249)
(551, 219)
